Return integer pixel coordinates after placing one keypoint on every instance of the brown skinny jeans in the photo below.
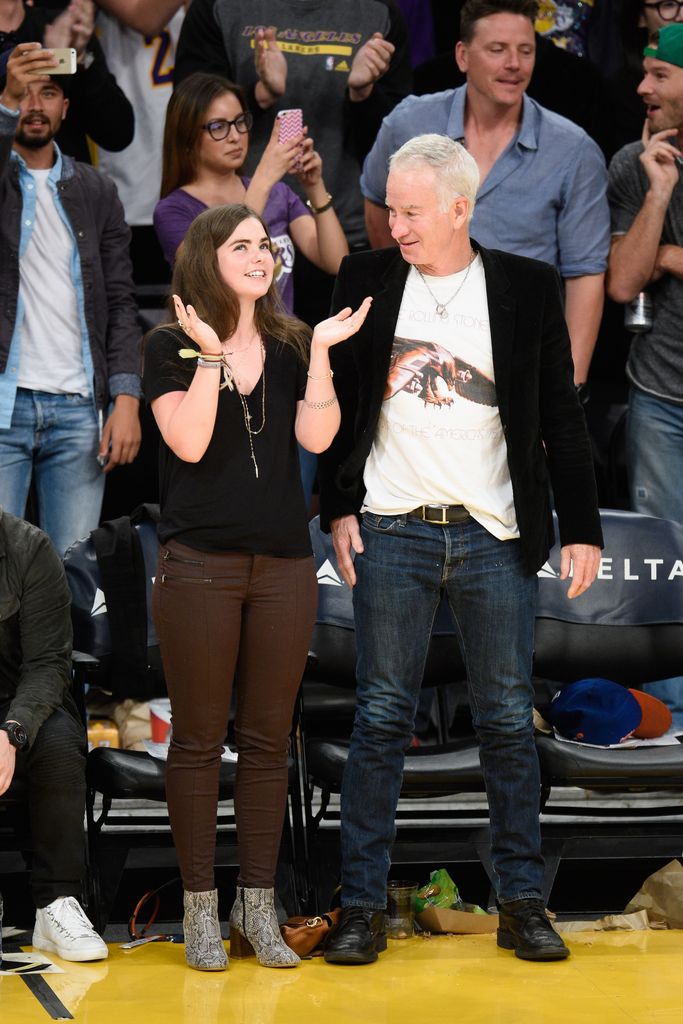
(222, 616)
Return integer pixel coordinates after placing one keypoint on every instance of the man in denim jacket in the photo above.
(69, 339)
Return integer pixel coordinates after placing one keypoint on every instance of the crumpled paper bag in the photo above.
(638, 922)
(661, 895)
(132, 718)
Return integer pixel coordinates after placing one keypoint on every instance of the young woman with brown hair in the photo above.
(232, 387)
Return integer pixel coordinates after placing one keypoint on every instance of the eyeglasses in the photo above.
(220, 128)
(668, 10)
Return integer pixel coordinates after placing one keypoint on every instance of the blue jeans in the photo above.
(654, 453)
(53, 440)
(401, 574)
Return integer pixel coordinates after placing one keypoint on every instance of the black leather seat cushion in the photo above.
(136, 775)
(597, 768)
(428, 771)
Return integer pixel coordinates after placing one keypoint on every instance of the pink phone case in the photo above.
(290, 124)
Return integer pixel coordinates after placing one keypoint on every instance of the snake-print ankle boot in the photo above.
(204, 949)
(254, 930)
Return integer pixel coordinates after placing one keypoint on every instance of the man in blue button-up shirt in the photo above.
(543, 180)
(69, 339)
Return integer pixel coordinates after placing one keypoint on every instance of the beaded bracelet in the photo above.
(325, 376)
(321, 405)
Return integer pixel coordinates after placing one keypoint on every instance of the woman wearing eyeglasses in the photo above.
(206, 139)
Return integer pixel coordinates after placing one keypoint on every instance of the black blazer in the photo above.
(542, 418)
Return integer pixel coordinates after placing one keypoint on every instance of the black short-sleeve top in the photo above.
(218, 503)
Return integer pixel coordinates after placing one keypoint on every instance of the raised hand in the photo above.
(277, 159)
(270, 61)
(197, 330)
(25, 64)
(310, 166)
(659, 159)
(340, 327)
(371, 62)
(83, 24)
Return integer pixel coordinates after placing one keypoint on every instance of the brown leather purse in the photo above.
(305, 934)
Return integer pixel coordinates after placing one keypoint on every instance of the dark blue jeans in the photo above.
(401, 574)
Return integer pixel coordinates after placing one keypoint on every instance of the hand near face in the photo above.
(371, 62)
(659, 159)
(270, 61)
(21, 71)
(196, 329)
(340, 327)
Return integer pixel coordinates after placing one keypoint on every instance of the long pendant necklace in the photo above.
(230, 380)
(441, 310)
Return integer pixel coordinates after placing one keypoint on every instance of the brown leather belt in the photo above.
(440, 515)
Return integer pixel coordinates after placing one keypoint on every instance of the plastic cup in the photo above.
(400, 914)
(160, 719)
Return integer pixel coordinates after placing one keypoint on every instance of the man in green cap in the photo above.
(646, 204)
(646, 255)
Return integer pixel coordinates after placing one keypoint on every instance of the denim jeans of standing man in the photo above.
(654, 452)
(400, 577)
(53, 440)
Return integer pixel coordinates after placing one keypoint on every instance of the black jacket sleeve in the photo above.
(45, 637)
(363, 120)
(200, 44)
(333, 501)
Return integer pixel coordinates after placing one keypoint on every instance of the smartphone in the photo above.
(290, 124)
(66, 62)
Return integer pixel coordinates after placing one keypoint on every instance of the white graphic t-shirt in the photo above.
(439, 438)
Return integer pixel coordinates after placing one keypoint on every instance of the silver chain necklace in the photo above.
(229, 377)
(441, 310)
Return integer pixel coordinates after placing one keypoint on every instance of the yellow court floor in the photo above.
(610, 978)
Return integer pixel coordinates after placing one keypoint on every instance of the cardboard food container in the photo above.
(456, 922)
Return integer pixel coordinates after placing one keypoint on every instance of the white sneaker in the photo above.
(63, 928)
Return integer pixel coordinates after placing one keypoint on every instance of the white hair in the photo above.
(455, 171)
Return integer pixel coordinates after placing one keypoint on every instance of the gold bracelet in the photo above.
(319, 209)
(321, 405)
(325, 376)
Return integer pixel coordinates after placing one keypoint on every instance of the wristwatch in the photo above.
(16, 734)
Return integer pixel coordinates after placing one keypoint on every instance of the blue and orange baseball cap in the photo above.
(602, 712)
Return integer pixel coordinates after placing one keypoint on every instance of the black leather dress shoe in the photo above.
(358, 938)
(524, 926)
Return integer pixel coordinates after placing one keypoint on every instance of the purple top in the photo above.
(175, 212)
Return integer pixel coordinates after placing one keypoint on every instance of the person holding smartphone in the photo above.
(206, 141)
(233, 384)
(99, 109)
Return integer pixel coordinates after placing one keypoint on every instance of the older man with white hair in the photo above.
(458, 407)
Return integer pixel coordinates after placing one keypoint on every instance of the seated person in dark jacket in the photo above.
(42, 741)
(99, 108)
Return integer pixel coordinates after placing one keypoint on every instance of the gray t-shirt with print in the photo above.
(655, 362)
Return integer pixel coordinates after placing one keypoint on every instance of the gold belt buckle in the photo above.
(437, 522)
